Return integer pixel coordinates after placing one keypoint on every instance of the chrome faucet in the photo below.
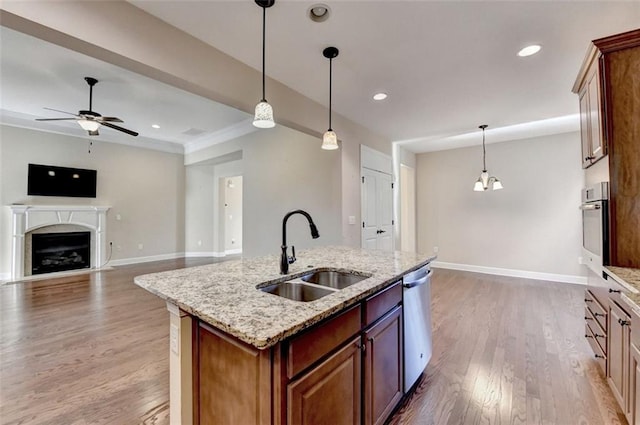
(285, 260)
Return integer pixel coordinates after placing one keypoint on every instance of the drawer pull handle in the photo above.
(624, 322)
(588, 336)
(598, 314)
(588, 318)
(616, 291)
(362, 347)
(599, 336)
(598, 356)
(587, 300)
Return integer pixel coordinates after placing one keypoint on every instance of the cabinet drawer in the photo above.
(599, 354)
(382, 302)
(598, 336)
(313, 344)
(599, 315)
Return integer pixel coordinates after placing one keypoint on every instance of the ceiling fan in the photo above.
(90, 120)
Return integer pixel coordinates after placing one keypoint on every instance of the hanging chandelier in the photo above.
(484, 181)
(330, 138)
(264, 112)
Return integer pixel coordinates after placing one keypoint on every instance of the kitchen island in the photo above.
(241, 355)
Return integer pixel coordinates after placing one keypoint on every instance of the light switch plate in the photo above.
(352, 219)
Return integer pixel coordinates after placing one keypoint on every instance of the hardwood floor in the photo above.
(93, 349)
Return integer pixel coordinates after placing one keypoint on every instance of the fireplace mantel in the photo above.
(26, 218)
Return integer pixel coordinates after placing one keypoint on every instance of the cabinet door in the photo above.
(597, 148)
(585, 136)
(330, 393)
(634, 386)
(619, 336)
(383, 367)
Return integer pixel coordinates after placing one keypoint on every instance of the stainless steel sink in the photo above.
(333, 279)
(297, 291)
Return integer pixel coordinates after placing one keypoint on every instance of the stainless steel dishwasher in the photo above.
(416, 296)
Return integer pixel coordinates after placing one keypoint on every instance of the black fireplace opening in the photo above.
(55, 252)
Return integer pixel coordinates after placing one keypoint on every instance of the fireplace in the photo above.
(31, 220)
(56, 252)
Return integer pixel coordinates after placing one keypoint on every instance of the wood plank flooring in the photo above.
(93, 349)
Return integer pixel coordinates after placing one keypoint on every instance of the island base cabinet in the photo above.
(329, 394)
(383, 367)
(232, 380)
(634, 386)
(619, 339)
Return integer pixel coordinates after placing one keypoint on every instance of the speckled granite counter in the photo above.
(627, 277)
(225, 295)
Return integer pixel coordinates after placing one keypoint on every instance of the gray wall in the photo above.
(533, 224)
(283, 170)
(145, 187)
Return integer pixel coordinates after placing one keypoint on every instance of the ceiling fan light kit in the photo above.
(89, 120)
(330, 139)
(263, 117)
(485, 180)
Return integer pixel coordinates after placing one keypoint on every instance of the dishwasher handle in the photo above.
(418, 282)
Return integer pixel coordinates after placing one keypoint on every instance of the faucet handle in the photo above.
(292, 259)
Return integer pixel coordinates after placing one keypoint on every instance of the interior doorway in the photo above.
(232, 214)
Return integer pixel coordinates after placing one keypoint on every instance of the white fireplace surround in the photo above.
(27, 218)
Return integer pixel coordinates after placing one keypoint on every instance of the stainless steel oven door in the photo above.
(592, 223)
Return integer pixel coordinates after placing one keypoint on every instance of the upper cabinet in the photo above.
(608, 86)
(589, 90)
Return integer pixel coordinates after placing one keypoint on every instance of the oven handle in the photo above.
(586, 207)
(418, 282)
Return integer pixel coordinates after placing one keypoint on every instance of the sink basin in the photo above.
(297, 291)
(333, 279)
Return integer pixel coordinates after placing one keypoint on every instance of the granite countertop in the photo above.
(225, 295)
(630, 278)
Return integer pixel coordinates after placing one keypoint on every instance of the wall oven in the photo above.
(595, 226)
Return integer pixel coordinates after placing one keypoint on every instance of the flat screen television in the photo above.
(48, 180)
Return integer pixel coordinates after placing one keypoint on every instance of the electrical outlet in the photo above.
(118, 217)
(436, 249)
(140, 246)
(352, 219)
(580, 260)
(199, 243)
(174, 336)
(119, 247)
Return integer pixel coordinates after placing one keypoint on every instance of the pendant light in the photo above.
(485, 180)
(329, 138)
(264, 112)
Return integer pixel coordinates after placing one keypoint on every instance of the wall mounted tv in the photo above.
(48, 180)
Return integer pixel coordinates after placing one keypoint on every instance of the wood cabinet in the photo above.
(326, 374)
(608, 86)
(634, 386)
(619, 337)
(383, 367)
(593, 139)
(596, 327)
(330, 392)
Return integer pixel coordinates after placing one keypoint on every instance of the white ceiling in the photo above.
(36, 74)
(447, 66)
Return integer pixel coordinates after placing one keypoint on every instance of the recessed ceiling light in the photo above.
(155, 126)
(529, 50)
(319, 12)
(380, 96)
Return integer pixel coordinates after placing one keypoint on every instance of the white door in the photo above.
(377, 210)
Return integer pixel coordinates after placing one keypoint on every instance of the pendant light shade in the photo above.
(485, 181)
(264, 112)
(330, 138)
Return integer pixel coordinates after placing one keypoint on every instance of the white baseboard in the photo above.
(136, 260)
(565, 278)
(213, 254)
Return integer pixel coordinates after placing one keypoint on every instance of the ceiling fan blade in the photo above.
(115, 127)
(64, 112)
(56, 119)
(110, 119)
